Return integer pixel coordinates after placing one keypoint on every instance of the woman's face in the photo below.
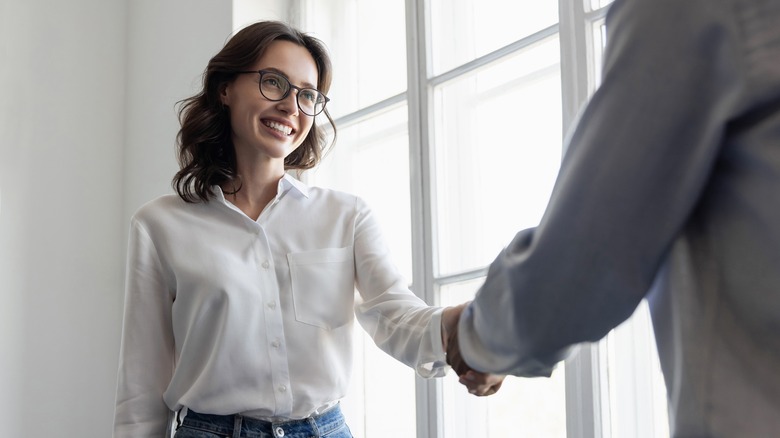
(263, 128)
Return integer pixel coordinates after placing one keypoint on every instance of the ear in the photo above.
(224, 94)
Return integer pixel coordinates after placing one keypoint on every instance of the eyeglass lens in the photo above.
(276, 87)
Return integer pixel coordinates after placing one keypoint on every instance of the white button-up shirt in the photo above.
(225, 314)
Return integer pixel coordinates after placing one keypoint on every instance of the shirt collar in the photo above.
(289, 182)
(286, 183)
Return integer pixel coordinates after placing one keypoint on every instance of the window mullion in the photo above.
(583, 383)
(429, 409)
(576, 58)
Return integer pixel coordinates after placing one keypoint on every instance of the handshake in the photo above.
(478, 383)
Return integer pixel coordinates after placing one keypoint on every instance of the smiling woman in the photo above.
(207, 155)
(240, 297)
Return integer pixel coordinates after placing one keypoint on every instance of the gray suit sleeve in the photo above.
(635, 166)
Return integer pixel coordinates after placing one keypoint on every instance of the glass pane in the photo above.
(599, 44)
(380, 384)
(367, 42)
(498, 150)
(521, 408)
(635, 385)
(598, 4)
(371, 160)
(462, 30)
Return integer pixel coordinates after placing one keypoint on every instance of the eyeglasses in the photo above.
(276, 87)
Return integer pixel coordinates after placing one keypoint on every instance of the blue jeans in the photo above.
(330, 424)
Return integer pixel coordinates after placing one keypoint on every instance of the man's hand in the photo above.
(481, 384)
(478, 383)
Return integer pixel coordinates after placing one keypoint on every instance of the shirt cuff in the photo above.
(438, 345)
(479, 357)
(437, 366)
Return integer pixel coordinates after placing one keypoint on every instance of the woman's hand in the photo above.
(478, 383)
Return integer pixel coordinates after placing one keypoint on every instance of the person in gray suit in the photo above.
(669, 191)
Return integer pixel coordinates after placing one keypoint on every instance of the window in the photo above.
(443, 107)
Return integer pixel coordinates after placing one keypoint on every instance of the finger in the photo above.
(490, 391)
(482, 390)
(474, 388)
(479, 378)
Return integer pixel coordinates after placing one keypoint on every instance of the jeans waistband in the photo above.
(248, 427)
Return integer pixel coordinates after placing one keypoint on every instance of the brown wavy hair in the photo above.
(204, 142)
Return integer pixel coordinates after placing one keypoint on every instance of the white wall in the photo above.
(246, 12)
(87, 127)
(169, 44)
(61, 140)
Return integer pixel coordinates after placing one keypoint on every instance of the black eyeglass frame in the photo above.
(287, 93)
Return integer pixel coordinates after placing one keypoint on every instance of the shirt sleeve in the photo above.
(147, 350)
(635, 166)
(400, 323)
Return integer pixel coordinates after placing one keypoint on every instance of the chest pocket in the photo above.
(323, 286)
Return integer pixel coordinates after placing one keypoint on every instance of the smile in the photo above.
(284, 129)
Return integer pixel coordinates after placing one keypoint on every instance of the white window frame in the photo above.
(587, 410)
(583, 371)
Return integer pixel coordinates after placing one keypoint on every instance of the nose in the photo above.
(289, 104)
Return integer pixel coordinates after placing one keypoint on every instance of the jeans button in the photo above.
(279, 432)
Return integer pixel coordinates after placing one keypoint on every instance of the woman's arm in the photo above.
(400, 323)
(147, 353)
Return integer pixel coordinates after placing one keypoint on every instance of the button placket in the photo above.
(269, 296)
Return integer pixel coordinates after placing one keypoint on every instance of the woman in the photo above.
(240, 290)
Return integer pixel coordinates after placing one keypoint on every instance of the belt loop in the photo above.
(237, 426)
(314, 426)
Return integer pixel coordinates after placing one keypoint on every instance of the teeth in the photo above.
(284, 129)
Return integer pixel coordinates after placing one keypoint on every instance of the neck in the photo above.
(256, 188)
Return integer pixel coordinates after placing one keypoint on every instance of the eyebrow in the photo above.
(276, 70)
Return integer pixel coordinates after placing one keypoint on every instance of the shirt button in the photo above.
(279, 432)
(275, 344)
(266, 265)
(282, 388)
(272, 304)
